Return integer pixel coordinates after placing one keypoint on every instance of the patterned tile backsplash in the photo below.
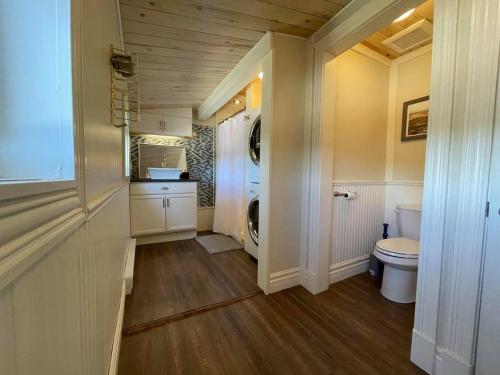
(199, 153)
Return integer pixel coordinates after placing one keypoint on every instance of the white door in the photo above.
(150, 123)
(488, 347)
(147, 214)
(178, 126)
(181, 212)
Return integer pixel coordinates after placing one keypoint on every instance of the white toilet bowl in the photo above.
(400, 258)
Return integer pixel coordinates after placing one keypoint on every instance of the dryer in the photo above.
(253, 150)
(252, 220)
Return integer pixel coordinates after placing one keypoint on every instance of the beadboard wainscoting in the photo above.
(60, 315)
(357, 223)
(356, 227)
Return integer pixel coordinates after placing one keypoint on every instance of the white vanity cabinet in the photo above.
(173, 122)
(167, 210)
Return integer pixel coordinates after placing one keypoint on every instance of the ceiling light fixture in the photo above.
(405, 15)
(261, 75)
(237, 102)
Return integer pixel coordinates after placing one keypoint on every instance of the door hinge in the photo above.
(487, 212)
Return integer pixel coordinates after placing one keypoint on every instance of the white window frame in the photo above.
(25, 189)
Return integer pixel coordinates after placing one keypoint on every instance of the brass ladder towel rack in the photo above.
(125, 90)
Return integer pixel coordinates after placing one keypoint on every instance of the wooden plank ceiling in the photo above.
(186, 47)
(374, 41)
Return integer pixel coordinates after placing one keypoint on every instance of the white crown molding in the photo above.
(371, 54)
(240, 76)
(413, 54)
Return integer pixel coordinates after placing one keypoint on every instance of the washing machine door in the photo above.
(254, 141)
(253, 220)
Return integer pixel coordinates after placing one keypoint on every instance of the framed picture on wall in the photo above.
(415, 119)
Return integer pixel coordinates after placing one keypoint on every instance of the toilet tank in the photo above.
(408, 220)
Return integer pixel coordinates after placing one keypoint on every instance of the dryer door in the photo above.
(253, 220)
(254, 141)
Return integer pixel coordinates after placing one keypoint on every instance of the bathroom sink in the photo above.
(163, 173)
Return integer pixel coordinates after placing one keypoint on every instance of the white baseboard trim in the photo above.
(115, 351)
(284, 279)
(423, 350)
(129, 266)
(167, 237)
(344, 270)
(448, 364)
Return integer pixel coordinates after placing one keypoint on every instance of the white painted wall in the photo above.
(363, 161)
(59, 301)
(286, 144)
(103, 142)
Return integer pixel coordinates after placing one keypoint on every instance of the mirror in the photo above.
(160, 156)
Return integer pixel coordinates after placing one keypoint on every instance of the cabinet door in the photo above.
(181, 212)
(150, 123)
(178, 126)
(147, 214)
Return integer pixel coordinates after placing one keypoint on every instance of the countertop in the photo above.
(163, 180)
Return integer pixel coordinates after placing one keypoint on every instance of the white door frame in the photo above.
(463, 91)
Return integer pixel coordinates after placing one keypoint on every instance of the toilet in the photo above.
(400, 256)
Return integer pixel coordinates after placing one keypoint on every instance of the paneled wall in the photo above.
(61, 279)
(199, 154)
(59, 316)
(356, 224)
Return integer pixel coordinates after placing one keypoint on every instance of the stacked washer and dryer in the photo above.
(252, 180)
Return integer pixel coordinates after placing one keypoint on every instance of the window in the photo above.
(36, 114)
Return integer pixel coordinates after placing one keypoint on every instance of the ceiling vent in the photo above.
(413, 36)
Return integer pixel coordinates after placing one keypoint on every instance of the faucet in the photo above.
(164, 162)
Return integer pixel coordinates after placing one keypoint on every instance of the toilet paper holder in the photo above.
(349, 195)
(339, 194)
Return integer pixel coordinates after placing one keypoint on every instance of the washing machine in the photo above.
(252, 220)
(253, 149)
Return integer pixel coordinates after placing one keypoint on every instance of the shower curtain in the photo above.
(230, 177)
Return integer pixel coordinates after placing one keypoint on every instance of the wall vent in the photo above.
(413, 36)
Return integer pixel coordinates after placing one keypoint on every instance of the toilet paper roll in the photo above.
(350, 195)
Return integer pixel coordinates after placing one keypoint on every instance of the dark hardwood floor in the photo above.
(348, 329)
(175, 277)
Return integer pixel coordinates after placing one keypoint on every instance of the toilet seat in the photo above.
(399, 247)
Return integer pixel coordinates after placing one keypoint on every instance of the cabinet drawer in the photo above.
(145, 188)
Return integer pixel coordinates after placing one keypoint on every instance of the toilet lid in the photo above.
(399, 247)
